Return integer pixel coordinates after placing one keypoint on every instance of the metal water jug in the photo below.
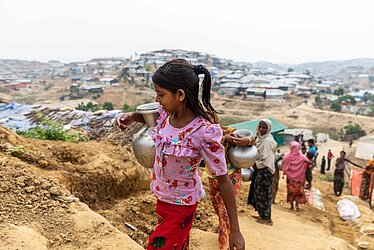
(247, 173)
(279, 164)
(142, 143)
(242, 157)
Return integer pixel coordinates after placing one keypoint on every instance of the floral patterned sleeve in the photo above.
(213, 151)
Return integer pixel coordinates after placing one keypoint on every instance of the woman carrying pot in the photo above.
(260, 191)
(235, 176)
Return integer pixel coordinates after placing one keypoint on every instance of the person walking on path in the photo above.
(340, 165)
(185, 135)
(294, 166)
(323, 165)
(366, 180)
(312, 152)
(261, 189)
(329, 159)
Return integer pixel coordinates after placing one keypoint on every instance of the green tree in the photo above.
(147, 100)
(318, 100)
(123, 74)
(290, 69)
(347, 98)
(81, 106)
(368, 97)
(307, 72)
(352, 129)
(128, 108)
(108, 106)
(340, 91)
(336, 106)
(88, 107)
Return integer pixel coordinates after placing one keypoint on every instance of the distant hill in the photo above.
(319, 68)
(325, 68)
(334, 67)
(267, 65)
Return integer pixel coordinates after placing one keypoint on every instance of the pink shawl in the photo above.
(295, 164)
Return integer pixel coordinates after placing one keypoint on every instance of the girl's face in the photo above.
(342, 154)
(262, 128)
(168, 100)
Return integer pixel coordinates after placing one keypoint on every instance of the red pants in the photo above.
(173, 229)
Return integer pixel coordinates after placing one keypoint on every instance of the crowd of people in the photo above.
(187, 133)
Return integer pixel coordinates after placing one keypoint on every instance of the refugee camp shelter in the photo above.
(277, 128)
(365, 148)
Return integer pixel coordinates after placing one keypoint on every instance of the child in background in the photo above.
(308, 172)
(323, 164)
(185, 135)
(329, 158)
(303, 150)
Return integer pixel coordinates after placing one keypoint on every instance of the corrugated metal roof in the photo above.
(231, 85)
(252, 125)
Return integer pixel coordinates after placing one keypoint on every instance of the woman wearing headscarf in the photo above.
(294, 166)
(260, 191)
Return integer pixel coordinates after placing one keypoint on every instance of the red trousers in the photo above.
(173, 229)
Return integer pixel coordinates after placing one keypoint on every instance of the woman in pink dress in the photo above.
(294, 166)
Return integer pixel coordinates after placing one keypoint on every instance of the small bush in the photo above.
(128, 108)
(108, 106)
(88, 107)
(50, 130)
(327, 177)
(13, 150)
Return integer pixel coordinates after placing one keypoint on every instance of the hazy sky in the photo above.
(290, 31)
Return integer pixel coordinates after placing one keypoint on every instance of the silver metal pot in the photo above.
(279, 164)
(242, 157)
(142, 143)
(247, 174)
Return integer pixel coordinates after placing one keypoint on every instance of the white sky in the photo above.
(291, 31)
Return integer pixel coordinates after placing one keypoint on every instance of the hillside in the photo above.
(53, 192)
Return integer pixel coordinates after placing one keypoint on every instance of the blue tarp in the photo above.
(19, 117)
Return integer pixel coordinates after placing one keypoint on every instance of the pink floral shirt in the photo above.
(179, 152)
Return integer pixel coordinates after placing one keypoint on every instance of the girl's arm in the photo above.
(227, 193)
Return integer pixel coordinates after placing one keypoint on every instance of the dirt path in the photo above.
(289, 232)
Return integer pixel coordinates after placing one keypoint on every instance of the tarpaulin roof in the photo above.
(252, 125)
(97, 125)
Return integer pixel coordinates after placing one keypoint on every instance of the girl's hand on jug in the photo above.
(125, 120)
